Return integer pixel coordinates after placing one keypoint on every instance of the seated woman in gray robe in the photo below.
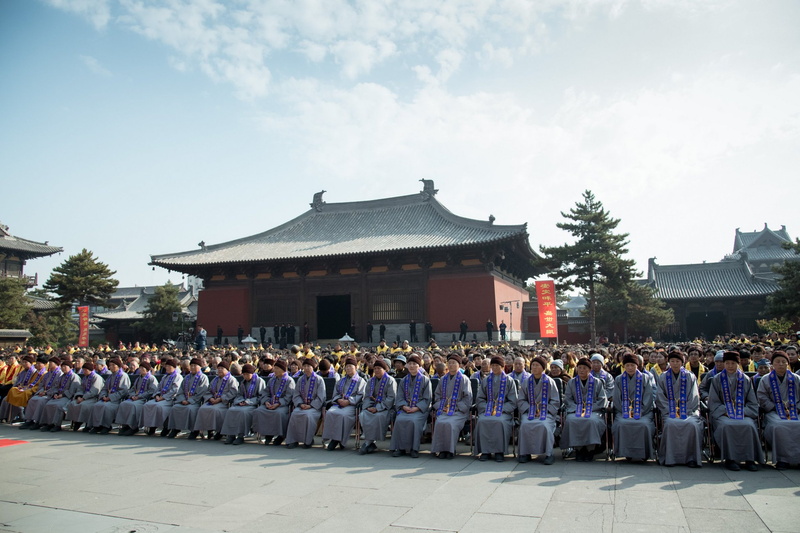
(678, 400)
(223, 389)
(412, 403)
(114, 391)
(130, 410)
(733, 408)
(239, 417)
(271, 418)
(778, 394)
(634, 401)
(377, 407)
(341, 417)
(64, 390)
(497, 399)
(79, 409)
(585, 401)
(308, 399)
(156, 411)
(35, 407)
(538, 404)
(452, 402)
(188, 400)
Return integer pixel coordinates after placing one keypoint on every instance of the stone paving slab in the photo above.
(64, 482)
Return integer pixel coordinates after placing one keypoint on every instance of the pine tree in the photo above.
(14, 309)
(82, 278)
(596, 258)
(158, 313)
(785, 302)
(636, 308)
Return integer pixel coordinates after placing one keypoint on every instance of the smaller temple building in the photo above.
(16, 251)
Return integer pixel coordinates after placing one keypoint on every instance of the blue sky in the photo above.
(135, 127)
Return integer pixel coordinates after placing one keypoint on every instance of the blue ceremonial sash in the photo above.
(87, 386)
(38, 376)
(540, 410)
(65, 378)
(584, 408)
(144, 384)
(221, 388)
(52, 379)
(679, 411)
(381, 387)
(168, 382)
(495, 408)
(277, 395)
(311, 383)
(417, 384)
(350, 389)
(249, 391)
(632, 410)
(189, 390)
(115, 383)
(451, 403)
(787, 410)
(735, 411)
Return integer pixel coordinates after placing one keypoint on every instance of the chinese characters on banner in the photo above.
(548, 321)
(83, 325)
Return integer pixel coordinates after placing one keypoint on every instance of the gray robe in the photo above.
(210, 417)
(447, 427)
(35, 407)
(681, 439)
(408, 427)
(130, 411)
(103, 413)
(339, 421)
(303, 422)
(737, 439)
(536, 437)
(634, 438)
(273, 422)
(55, 408)
(88, 393)
(492, 432)
(182, 417)
(239, 418)
(580, 431)
(782, 435)
(608, 381)
(155, 413)
(374, 425)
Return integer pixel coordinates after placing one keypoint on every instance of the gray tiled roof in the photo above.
(726, 279)
(10, 243)
(746, 239)
(393, 224)
(135, 310)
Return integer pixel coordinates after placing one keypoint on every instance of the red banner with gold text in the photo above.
(83, 325)
(548, 320)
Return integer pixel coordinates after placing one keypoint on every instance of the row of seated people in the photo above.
(287, 409)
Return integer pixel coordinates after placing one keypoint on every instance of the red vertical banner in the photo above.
(548, 319)
(83, 325)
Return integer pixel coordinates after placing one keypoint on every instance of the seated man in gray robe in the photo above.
(341, 416)
(733, 408)
(778, 394)
(223, 389)
(271, 418)
(156, 411)
(495, 405)
(188, 400)
(130, 410)
(79, 409)
(412, 404)
(308, 399)
(239, 416)
(63, 391)
(377, 407)
(678, 400)
(452, 402)
(36, 403)
(114, 391)
(584, 423)
(634, 401)
(538, 404)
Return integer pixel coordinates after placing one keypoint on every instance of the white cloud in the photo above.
(96, 11)
(94, 65)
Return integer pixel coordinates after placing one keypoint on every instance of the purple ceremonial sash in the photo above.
(735, 411)
(277, 395)
(786, 410)
(495, 408)
(168, 382)
(87, 386)
(221, 388)
(37, 376)
(540, 410)
(248, 391)
(350, 389)
(381, 388)
(312, 383)
(679, 411)
(143, 384)
(115, 382)
(189, 390)
(451, 404)
(65, 378)
(584, 408)
(52, 379)
(632, 409)
(23, 377)
(417, 384)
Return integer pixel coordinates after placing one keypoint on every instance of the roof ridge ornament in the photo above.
(317, 203)
(428, 190)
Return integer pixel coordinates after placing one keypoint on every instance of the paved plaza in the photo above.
(75, 482)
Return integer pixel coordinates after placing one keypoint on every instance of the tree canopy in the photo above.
(636, 308)
(158, 313)
(14, 309)
(785, 302)
(82, 278)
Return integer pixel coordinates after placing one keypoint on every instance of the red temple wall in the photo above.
(224, 306)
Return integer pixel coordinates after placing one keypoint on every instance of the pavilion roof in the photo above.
(724, 279)
(23, 247)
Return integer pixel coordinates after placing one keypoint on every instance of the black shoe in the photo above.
(692, 464)
(76, 426)
(499, 458)
(524, 458)
(398, 453)
(218, 436)
(484, 457)
(229, 439)
(56, 428)
(332, 445)
(35, 427)
(238, 440)
(267, 439)
(151, 432)
(165, 432)
(781, 465)
(307, 446)
(372, 447)
(750, 466)
(732, 466)
(414, 454)
(550, 459)
(45, 427)
(104, 430)
(94, 431)
(124, 430)
(25, 425)
(363, 449)
(291, 446)
(173, 433)
(278, 440)
(193, 435)
(90, 429)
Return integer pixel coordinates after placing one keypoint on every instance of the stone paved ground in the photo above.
(65, 482)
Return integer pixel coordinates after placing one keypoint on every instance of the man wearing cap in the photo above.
(114, 391)
(79, 409)
(211, 414)
(53, 414)
(763, 368)
(778, 394)
(678, 400)
(239, 416)
(412, 403)
(585, 400)
(308, 399)
(271, 418)
(598, 361)
(495, 404)
(157, 409)
(733, 407)
(539, 402)
(452, 402)
(399, 370)
(377, 406)
(130, 409)
(557, 372)
(633, 400)
(341, 417)
(26, 384)
(188, 400)
(36, 403)
(708, 377)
